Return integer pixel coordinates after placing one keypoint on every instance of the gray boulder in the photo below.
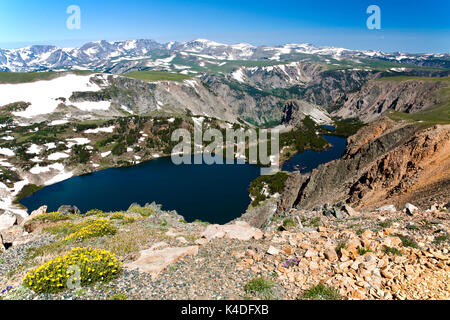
(7, 220)
(410, 209)
(389, 208)
(328, 212)
(349, 210)
(337, 213)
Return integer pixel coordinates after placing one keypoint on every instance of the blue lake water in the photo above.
(213, 193)
(309, 160)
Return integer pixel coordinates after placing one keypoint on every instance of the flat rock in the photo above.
(182, 240)
(7, 220)
(154, 261)
(201, 241)
(331, 255)
(388, 208)
(273, 251)
(240, 230)
(11, 234)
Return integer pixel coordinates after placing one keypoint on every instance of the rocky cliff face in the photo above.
(377, 97)
(387, 162)
(312, 82)
(296, 110)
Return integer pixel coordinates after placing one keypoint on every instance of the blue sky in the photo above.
(412, 26)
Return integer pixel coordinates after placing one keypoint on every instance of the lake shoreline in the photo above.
(143, 163)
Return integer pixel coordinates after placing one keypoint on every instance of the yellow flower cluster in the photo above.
(117, 215)
(91, 265)
(93, 212)
(128, 219)
(91, 229)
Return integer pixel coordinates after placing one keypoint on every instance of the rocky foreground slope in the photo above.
(387, 254)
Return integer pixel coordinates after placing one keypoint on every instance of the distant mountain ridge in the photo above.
(106, 55)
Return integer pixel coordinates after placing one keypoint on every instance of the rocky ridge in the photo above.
(385, 162)
(119, 56)
(378, 97)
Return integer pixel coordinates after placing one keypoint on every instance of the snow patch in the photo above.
(98, 130)
(44, 95)
(238, 75)
(58, 156)
(6, 152)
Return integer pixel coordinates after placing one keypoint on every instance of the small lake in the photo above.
(309, 160)
(213, 193)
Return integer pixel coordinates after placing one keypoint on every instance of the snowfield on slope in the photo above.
(44, 95)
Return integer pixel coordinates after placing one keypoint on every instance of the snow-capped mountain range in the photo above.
(104, 55)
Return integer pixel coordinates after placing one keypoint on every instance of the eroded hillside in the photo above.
(386, 162)
(401, 94)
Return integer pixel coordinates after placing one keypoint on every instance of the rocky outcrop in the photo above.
(153, 261)
(295, 111)
(377, 97)
(211, 96)
(7, 220)
(260, 215)
(42, 210)
(290, 192)
(313, 83)
(387, 162)
(240, 230)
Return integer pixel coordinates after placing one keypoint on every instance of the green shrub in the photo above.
(65, 228)
(26, 191)
(363, 251)
(385, 224)
(341, 245)
(128, 219)
(143, 211)
(321, 292)
(95, 265)
(91, 229)
(259, 286)
(275, 184)
(315, 222)
(93, 212)
(117, 216)
(441, 238)
(408, 242)
(118, 296)
(119, 149)
(390, 250)
(81, 154)
(289, 223)
(53, 217)
(201, 222)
